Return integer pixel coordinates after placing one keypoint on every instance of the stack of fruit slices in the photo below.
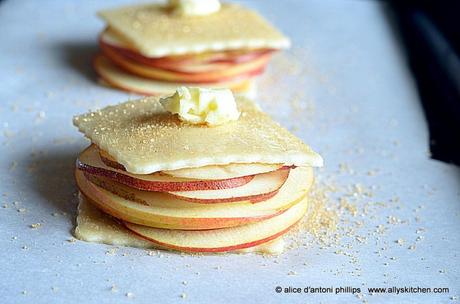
(191, 210)
(164, 51)
(210, 208)
(227, 69)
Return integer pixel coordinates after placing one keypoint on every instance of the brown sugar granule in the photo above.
(35, 226)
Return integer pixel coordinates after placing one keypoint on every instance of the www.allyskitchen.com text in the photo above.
(356, 290)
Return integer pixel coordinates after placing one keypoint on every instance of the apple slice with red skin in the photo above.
(225, 171)
(260, 188)
(110, 39)
(211, 172)
(118, 78)
(192, 64)
(207, 62)
(230, 74)
(107, 159)
(161, 210)
(226, 239)
(90, 162)
(253, 188)
(167, 212)
(201, 68)
(252, 68)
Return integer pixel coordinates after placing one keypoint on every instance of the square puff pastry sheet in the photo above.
(145, 138)
(156, 32)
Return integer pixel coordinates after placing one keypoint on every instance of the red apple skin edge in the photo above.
(218, 249)
(165, 186)
(130, 90)
(256, 198)
(111, 163)
(171, 68)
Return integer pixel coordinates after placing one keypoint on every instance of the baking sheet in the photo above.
(343, 88)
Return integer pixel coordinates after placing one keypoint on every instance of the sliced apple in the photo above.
(200, 63)
(223, 171)
(161, 210)
(260, 188)
(90, 162)
(118, 78)
(206, 172)
(194, 64)
(241, 71)
(200, 68)
(107, 159)
(93, 225)
(111, 39)
(227, 239)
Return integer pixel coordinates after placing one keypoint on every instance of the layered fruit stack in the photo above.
(149, 50)
(193, 188)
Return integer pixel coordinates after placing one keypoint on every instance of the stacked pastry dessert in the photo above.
(194, 172)
(152, 49)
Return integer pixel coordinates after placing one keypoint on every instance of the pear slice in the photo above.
(260, 188)
(227, 239)
(161, 210)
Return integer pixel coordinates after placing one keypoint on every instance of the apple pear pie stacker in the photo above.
(152, 49)
(183, 174)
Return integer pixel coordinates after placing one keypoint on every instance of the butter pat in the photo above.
(202, 106)
(194, 7)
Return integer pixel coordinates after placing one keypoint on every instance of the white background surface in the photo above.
(353, 100)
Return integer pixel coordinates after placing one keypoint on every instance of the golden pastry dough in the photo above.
(95, 226)
(155, 32)
(144, 138)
